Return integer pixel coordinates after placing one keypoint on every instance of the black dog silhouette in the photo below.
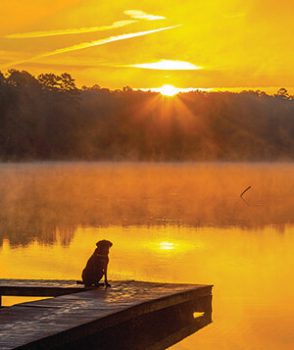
(97, 264)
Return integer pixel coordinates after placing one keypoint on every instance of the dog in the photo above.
(97, 264)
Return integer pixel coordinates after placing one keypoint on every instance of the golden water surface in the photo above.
(168, 222)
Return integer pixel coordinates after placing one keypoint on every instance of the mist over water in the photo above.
(40, 199)
(172, 222)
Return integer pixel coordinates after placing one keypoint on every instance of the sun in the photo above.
(168, 90)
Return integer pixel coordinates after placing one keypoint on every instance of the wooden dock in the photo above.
(143, 314)
(38, 288)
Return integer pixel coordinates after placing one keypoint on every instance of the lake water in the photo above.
(171, 222)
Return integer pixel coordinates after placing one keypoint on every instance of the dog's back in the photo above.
(93, 271)
(97, 264)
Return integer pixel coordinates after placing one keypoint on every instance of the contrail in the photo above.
(88, 44)
(57, 32)
(135, 14)
(138, 14)
(104, 41)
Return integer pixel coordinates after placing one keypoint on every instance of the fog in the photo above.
(43, 201)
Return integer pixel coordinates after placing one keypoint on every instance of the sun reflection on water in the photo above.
(166, 245)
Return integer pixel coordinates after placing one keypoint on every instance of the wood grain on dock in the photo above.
(62, 320)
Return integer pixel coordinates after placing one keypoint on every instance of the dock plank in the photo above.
(53, 322)
(33, 288)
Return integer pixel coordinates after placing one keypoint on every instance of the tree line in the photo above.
(49, 118)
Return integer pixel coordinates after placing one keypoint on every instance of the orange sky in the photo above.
(217, 44)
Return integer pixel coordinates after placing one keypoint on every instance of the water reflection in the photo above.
(42, 201)
(166, 246)
(251, 273)
(169, 222)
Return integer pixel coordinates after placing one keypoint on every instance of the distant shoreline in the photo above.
(49, 118)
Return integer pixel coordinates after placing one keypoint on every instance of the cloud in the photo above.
(137, 14)
(70, 31)
(167, 65)
(94, 43)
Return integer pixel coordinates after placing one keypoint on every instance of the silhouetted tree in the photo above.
(49, 81)
(282, 93)
(53, 82)
(50, 118)
(67, 82)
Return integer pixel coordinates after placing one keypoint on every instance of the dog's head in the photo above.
(103, 246)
